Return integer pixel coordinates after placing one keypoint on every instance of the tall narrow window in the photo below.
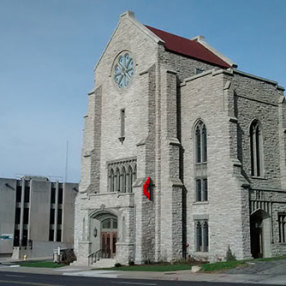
(204, 143)
(117, 176)
(122, 125)
(129, 182)
(201, 190)
(205, 236)
(198, 190)
(123, 181)
(256, 149)
(282, 228)
(198, 144)
(201, 142)
(53, 195)
(199, 236)
(202, 236)
(114, 183)
(27, 194)
(111, 181)
(18, 194)
(60, 195)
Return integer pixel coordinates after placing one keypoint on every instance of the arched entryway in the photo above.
(260, 231)
(108, 237)
(103, 234)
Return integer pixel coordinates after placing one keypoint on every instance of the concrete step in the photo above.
(104, 263)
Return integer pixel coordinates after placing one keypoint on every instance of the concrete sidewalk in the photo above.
(185, 275)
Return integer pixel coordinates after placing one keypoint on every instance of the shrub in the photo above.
(117, 265)
(68, 256)
(229, 255)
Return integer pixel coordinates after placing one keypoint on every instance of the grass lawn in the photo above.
(205, 267)
(43, 264)
(152, 267)
(219, 266)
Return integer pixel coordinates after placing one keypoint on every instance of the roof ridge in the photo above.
(191, 48)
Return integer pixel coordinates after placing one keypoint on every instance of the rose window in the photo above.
(123, 70)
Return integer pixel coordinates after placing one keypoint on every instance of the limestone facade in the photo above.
(198, 207)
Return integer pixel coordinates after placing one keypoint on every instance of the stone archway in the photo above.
(260, 231)
(103, 234)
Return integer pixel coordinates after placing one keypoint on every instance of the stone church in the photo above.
(183, 155)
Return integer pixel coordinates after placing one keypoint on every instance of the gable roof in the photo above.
(189, 48)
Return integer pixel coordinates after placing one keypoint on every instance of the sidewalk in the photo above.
(185, 275)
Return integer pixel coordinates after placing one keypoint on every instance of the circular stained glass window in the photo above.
(123, 70)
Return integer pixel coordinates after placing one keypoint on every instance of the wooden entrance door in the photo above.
(108, 244)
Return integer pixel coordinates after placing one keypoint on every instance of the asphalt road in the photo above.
(20, 279)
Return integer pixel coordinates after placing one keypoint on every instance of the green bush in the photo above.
(229, 255)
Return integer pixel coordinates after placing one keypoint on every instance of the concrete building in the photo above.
(210, 137)
(36, 216)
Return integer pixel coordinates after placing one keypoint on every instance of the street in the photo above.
(20, 279)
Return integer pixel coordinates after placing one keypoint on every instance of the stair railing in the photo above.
(93, 257)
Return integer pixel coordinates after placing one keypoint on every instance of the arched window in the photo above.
(129, 179)
(123, 180)
(117, 180)
(202, 236)
(201, 142)
(111, 181)
(205, 236)
(256, 149)
(199, 236)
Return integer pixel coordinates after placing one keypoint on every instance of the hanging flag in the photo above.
(147, 188)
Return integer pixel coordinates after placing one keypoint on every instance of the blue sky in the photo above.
(48, 49)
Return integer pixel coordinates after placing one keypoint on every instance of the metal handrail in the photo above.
(93, 257)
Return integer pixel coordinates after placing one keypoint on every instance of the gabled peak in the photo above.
(128, 14)
(201, 40)
(198, 38)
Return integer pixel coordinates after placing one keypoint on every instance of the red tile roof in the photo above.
(189, 48)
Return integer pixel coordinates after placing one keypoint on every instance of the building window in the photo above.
(59, 235)
(17, 216)
(123, 181)
(202, 235)
(17, 237)
(60, 216)
(52, 216)
(18, 194)
(122, 125)
(60, 195)
(109, 223)
(256, 149)
(27, 194)
(282, 227)
(25, 237)
(201, 142)
(51, 235)
(122, 178)
(26, 216)
(202, 190)
(111, 180)
(117, 181)
(53, 195)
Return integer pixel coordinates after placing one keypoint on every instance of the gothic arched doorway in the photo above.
(108, 237)
(260, 231)
(103, 234)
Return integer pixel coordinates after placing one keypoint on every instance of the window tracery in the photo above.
(122, 175)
